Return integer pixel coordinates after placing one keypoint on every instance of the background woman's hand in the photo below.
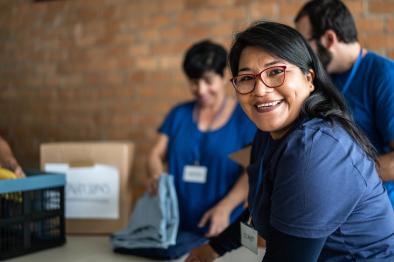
(218, 218)
(204, 253)
(151, 184)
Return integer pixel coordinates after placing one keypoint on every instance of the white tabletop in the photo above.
(98, 249)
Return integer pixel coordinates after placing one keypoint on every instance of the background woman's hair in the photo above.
(286, 43)
(203, 57)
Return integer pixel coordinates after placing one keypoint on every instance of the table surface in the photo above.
(98, 249)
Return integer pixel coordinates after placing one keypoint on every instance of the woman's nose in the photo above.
(201, 87)
(260, 88)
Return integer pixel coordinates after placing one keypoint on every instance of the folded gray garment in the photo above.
(154, 221)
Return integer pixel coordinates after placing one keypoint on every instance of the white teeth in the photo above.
(269, 104)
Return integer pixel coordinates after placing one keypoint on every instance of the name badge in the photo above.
(249, 237)
(195, 174)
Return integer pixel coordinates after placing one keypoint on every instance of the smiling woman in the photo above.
(274, 104)
(312, 179)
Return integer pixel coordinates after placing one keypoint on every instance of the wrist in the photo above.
(226, 205)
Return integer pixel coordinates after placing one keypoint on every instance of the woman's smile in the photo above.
(268, 106)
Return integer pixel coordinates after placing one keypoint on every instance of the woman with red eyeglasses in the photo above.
(314, 192)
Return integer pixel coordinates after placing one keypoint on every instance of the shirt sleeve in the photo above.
(283, 247)
(169, 122)
(316, 185)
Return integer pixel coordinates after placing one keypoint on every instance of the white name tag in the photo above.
(195, 174)
(249, 237)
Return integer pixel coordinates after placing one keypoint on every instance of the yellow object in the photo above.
(7, 174)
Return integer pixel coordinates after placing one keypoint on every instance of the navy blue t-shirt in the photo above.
(317, 182)
(187, 143)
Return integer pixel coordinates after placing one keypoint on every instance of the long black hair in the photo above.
(286, 43)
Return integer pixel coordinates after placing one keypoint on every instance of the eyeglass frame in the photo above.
(258, 75)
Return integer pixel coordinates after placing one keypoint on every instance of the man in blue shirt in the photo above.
(366, 79)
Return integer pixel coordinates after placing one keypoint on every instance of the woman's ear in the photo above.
(310, 76)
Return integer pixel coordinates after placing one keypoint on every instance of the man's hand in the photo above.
(204, 253)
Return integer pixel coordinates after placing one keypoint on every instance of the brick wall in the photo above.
(73, 70)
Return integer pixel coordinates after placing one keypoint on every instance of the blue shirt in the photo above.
(370, 97)
(317, 182)
(187, 142)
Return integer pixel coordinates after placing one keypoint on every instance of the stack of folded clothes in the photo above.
(152, 231)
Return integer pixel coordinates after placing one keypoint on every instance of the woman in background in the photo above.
(195, 141)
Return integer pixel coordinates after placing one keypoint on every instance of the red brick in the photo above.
(375, 42)
(222, 29)
(263, 9)
(381, 7)
(171, 6)
(186, 18)
(289, 9)
(169, 48)
(234, 14)
(193, 4)
(391, 54)
(172, 33)
(94, 70)
(170, 61)
(356, 7)
(208, 15)
(370, 25)
(390, 25)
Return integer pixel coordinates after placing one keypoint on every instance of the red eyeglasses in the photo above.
(271, 77)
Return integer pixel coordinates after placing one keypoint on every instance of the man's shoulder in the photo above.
(379, 61)
(379, 71)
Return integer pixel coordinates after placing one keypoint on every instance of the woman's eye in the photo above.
(208, 80)
(245, 78)
(275, 71)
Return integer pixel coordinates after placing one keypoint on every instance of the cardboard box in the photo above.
(116, 154)
(242, 156)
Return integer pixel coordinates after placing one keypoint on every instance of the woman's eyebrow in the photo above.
(265, 65)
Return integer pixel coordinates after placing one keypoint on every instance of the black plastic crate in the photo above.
(31, 214)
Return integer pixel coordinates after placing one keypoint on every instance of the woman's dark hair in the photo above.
(204, 56)
(286, 43)
(329, 14)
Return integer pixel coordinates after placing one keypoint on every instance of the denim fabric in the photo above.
(155, 220)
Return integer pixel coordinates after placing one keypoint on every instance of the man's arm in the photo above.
(386, 164)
